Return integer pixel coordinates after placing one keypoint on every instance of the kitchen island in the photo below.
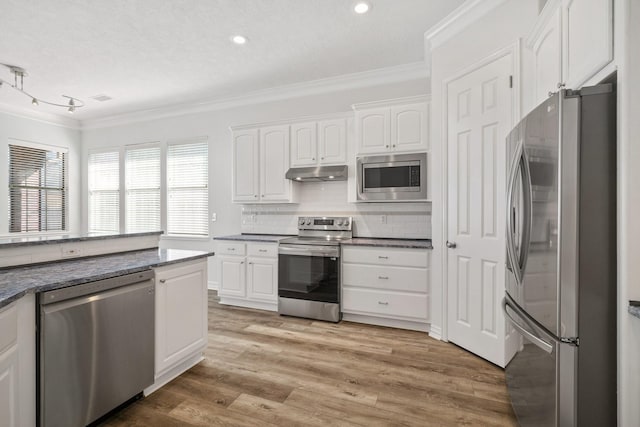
(180, 282)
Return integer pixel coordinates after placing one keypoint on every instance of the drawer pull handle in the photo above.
(231, 249)
(163, 280)
(383, 303)
(262, 250)
(383, 257)
(383, 277)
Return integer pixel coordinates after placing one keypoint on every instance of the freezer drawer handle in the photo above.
(534, 339)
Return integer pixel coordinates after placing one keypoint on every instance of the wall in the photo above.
(497, 29)
(13, 126)
(627, 34)
(215, 125)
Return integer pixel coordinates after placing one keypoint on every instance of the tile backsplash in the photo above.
(395, 220)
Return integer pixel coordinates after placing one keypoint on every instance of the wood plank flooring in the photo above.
(261, 369)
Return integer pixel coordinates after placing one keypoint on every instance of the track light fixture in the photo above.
(20, 73)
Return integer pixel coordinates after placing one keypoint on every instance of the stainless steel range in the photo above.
(309, 268)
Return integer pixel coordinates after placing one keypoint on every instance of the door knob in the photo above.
(451, 245)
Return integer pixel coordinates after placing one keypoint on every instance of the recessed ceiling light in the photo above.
(361, 7)
(239, 39)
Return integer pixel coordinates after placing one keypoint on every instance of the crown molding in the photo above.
(391, 102)
(466, 14)
(295, 120)
(400, 73)
(40, 116)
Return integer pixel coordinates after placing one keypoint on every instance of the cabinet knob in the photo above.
(394, 145)
(387, 146)
(321, 158)
(250, 263)
(163, 280)
(313, 158)
(255, 195)
(263, 195)
(241, 262)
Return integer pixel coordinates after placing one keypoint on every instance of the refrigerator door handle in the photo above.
(511, 256)
(528, 212)
(537, 341)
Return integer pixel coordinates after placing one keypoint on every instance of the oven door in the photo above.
(309, 272)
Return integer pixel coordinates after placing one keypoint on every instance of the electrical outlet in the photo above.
(70, 252)
(383, 219)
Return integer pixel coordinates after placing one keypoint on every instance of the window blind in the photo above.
(37, 189)
(142, 201)
(104, 192)
(187, 189)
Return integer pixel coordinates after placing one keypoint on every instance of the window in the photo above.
(187, 189)
(142, 176)
(104, 192)
(37, 189)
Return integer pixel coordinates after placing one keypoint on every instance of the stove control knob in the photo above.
(301, 221)
(338, 222)
(308, 222)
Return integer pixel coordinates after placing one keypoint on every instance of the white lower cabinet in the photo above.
(248, 274)
(18, 363)
(181, 319)
(386, 286)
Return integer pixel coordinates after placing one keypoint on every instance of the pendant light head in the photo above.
(34, 102)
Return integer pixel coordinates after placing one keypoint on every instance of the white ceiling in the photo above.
(151, 53)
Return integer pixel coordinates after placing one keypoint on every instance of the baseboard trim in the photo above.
(435, 332)
(268, 306)
(214, 286)
(174, 372)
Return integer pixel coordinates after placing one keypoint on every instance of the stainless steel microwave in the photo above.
(397, 177)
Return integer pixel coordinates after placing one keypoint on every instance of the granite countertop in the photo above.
(275, 238)
(389, 243)
(634, 308)
(15, 282)
(11, 242)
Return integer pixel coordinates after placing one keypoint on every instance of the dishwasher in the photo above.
(95, 348)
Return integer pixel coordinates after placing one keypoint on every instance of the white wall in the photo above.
(16, 127)
(627, 35)
(215, 125)
(497, 29)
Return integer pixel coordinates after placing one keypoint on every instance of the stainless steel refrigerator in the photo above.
(561, 260)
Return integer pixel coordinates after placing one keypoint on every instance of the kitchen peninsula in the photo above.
(31, 266)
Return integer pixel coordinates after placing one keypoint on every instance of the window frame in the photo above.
(161, 188)
(45, 147)
(120, 151)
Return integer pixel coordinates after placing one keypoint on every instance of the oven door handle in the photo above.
(309, 250)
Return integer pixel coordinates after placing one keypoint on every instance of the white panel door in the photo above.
(479, 118)
(9, 388)
(547, 59)
(245, 166)
(332, 141)
(274, 163)
(373, 130)
(232, 276)
(409, 127)
(303, 144)
(262, 279)
(587, 34)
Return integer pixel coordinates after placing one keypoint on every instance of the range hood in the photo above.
(318, 173)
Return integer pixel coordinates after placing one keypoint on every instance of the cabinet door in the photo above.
(373, 132)
(232, 276)
(303, 144)
(332, 147)
(409, 127)
(181, 313)
(9, 388)
(245, 166)
(262, 279)
(547, 58)
(274, 163)
(587, 34)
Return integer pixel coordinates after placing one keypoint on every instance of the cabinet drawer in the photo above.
(387, 278)
(230, 248)
(262, 250)
(8, 327)
(389, 304)
(386, 256)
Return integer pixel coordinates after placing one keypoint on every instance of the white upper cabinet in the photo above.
(260, 162)
(409, 127)
(304, 151)
(571, 42)
(332, 141)
(245, 166)
(546, 44)
(587, 39)
(398, 126)
(274, 163)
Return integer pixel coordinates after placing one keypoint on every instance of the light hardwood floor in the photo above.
(262, 369)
